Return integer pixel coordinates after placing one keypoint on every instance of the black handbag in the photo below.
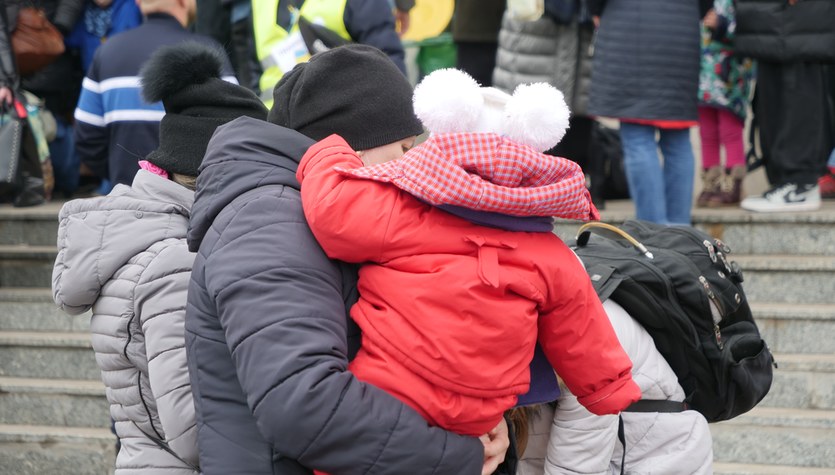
(12, 124)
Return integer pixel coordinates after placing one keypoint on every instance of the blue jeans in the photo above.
(662, 194)
(66, 165)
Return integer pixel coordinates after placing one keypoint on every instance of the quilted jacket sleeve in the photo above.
(160, 304)
(350, 217)
(279, 302)
(581, 344)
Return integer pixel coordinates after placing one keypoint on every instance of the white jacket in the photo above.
(125, 256)
(571, 440)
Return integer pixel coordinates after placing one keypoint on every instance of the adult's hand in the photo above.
(495, 443)
(596, 20)
(6, 95)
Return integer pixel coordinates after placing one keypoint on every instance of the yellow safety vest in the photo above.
(269, 37)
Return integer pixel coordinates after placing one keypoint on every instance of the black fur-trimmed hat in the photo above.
(186, 77)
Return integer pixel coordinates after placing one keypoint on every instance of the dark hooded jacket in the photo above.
(266, 332)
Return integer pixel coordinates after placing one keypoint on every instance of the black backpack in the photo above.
(666, 278)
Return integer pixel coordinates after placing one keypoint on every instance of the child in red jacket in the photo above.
(462, 274)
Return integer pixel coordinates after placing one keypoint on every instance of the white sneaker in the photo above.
(785, 198)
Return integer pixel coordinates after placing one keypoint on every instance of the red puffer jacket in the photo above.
(451, 311)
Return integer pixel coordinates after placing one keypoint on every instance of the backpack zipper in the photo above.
(716, 320)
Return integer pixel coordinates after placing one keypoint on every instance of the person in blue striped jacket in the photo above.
(114, 127)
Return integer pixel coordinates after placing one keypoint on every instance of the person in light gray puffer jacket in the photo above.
(125, 256)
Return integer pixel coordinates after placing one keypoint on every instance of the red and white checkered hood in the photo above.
(486, 172)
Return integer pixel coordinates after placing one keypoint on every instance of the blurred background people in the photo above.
(724, 91)
(792, 42)
(645, 72)
(475, 31)
(115, 127)
(280, 46)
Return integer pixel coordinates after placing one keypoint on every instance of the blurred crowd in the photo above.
(702, 73)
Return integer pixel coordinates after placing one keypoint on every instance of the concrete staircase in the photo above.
(54, 416)
(788, 261)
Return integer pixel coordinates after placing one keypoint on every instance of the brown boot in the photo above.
(730, 188)
(711, 178)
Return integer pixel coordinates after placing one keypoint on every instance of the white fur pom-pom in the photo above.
(537, 115)
(448, 101)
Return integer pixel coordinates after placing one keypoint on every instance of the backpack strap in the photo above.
(645, 405)
(657, 405)
(610, 232)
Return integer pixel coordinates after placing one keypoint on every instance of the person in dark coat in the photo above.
(475, 31)
(267, 334)
(792, 42)
(32, 190)
(645, 72)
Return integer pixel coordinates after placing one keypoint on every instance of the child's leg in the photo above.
(709, 131)
(730, 129)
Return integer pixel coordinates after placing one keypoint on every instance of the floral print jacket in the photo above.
(725, 79)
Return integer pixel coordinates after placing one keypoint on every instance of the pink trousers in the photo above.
(721, 128)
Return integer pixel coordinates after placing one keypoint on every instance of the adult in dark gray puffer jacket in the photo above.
(266, 332)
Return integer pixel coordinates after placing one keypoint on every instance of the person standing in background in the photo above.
(791, 42)
(58, 84)
(645, 72)
(115, 127)
(555, 49)
(280, 46)
(724, 89)
(475, 31)
(229, 22)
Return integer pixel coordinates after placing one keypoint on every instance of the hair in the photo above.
(520, 419)
(187, 181)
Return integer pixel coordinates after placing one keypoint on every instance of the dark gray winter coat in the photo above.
(646, 60)
(545, 51)
(266, 332)
(773, 30)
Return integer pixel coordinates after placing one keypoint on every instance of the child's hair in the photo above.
(520, 420)
(187, 181)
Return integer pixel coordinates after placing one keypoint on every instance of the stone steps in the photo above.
(796, 328)
(23, 265)
(32, 309)
(48, 450)
(722, 468)
(777, 436)
(36, 226)
(53, 402)
(788, 279)
(47, 355)
(803, 381)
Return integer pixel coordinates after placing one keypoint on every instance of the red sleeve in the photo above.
(348, 216)
(581, 344)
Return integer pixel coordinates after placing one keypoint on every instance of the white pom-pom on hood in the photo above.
(450, 101)
(536, 115)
